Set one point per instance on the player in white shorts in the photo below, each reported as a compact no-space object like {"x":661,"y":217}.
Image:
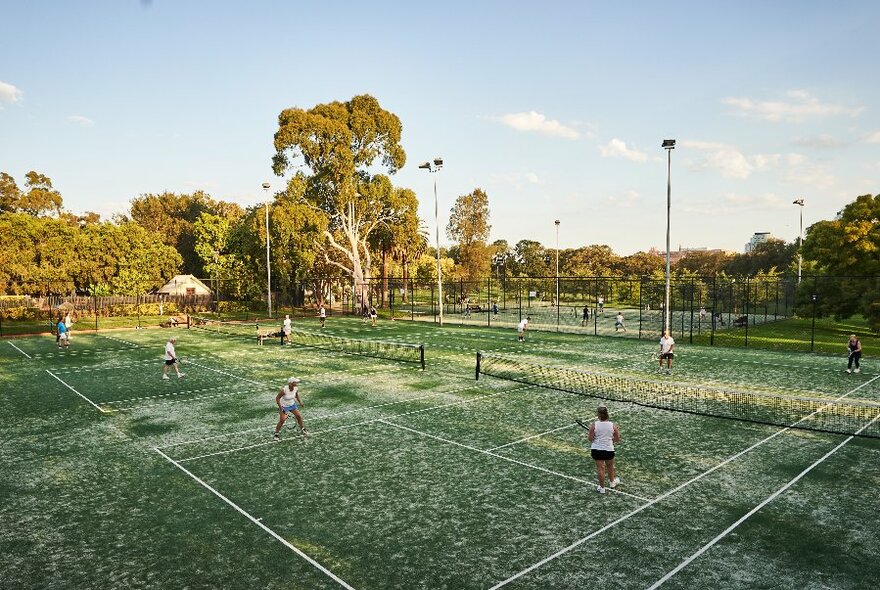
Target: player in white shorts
{"x":322,"y":313}
{"x":289,"y":402}
{"x":521,"y":328}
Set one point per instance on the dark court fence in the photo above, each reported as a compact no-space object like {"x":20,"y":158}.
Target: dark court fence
{"x":706,"y":310}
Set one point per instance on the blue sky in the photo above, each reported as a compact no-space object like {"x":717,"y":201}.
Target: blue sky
{"x":556,"y":109}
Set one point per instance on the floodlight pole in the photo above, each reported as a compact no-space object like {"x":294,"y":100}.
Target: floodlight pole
{"x":800,"y":202}
{"x":668,"y":145}
{"x":266,"y":187}
{"x":438,"y":163}
{"x":557,"y":273}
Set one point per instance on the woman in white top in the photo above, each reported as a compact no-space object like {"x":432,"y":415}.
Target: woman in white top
{"x":285,"y":330}
{"x":171,"y":359}
{"x":289,"y":403}
{"x":603,"y":435}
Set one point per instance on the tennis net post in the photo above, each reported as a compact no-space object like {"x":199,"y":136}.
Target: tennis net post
{"x":479,"y":357}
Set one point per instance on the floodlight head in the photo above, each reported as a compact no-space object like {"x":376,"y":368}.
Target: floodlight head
{"x":438,"y":162}
{"x":798,"y":202}
{"x":425,"y":165}
{"x":266,"y":186}
{"x":556,"y":222}
{"x":668,"y":144}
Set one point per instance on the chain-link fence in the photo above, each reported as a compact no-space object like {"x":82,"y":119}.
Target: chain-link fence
{"x":702,"y":309}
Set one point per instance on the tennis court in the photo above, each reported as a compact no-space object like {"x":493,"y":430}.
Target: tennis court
{"x":427,"y":478}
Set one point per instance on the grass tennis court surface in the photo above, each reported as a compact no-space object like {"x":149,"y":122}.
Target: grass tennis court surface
{"x":112,"y":478}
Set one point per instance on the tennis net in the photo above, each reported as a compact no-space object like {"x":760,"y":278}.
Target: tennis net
{"x":838,"y":416}
{"x":397,"y":351}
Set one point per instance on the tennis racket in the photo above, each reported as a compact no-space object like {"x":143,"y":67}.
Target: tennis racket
{"x":582,"y":424}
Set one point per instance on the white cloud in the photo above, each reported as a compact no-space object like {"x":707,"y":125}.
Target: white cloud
{"x":9,"y":94}
{"x":617,"y":148}
{"x":80,"y":120}
{"x":517,"y":180}
{"x":872,"y":137}
{"x":821,"y":141}
{"x":728,"y":160}
{"x":537,"y":123}
{"x":801,"y":107}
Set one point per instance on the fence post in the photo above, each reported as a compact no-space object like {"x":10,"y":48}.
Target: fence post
{"x":488,"y":301}
{"x":137,"y":301}
{"x":712,"y":307}
{"x":748,"y":297}
{"x":640,"y":308}
{"x":813,"y":329}
{"x":692,"y":312}
{"x":95,"y":305}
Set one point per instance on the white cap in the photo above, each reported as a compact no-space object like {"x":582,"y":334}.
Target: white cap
{"x":293,"y":380}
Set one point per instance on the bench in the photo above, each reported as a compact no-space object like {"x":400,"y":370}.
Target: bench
{"x":741,"y":322}
{"x":264,"y":333}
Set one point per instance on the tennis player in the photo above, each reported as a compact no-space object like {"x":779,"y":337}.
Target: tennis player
{"x":603,"y":434}
{"x":322,"y":313}
{"x":666,"y":346}
{"x":373,"y":314}
{"x":63,"y":336}
{"x":68,"y":323}
{"x":521,"y":328}
{"x":618,"y":322}
{"x":854,"y":346}
{"x":600,"y":303}
{"x":285,"y":330}
{"x":289,"y":402}
{"x":171,"y":359}
{"x":585,"y":316}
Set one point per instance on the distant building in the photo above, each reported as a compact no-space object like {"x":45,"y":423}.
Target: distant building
{"x":185,"y":285}
{"x":759,"y":238}
{"x":683,"y":251}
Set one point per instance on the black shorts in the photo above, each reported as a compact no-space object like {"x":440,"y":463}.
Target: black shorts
{"x":667,"y":355}
{"x":600,"y":455}
{"x":169,"y":363}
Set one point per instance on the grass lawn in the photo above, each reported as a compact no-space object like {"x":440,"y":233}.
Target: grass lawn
{"x":410,"y":478}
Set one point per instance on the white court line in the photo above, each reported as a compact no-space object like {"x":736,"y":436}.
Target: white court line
{"x":516,"y":442}
{"x":20,"y":350}
{"x":665,"y":495}
{"x":228,"y":374}
{"x":311,"y":418}
{"x":99,"y":408}
{"x":258,"y":522}
{"x":355,"y":425}
{"x":746,"y":516}
{"x":491,"y":454}
{"x":115,"y":339}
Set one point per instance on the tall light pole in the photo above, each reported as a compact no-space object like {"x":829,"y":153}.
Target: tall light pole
{"x":800,"y":235}
{"x":668,"y":145}
{"x":438,"y":164}
{"x":556,"y":223}
{"x":266,"y":187}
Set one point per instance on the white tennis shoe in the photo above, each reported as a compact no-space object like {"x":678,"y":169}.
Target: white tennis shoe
{"x":614,"y":483}
{"x":600,"y":489}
